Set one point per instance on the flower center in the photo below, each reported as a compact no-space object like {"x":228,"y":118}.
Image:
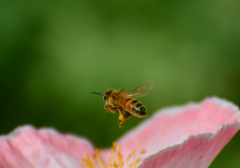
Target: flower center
{"x":115,"y":160}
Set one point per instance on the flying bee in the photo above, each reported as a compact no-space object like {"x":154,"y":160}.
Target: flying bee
{"x":124,"y":104}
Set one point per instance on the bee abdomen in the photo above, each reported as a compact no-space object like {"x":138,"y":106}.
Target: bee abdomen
{"x":140,"y":109}
{"x":134,"y":106}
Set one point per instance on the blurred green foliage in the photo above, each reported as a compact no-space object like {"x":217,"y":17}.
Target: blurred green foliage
{"x":54,"y":54}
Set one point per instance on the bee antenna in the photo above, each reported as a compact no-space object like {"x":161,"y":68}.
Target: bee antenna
{"x":97,"y":93}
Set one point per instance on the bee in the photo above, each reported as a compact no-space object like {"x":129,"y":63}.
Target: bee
{"x":124,"y":104}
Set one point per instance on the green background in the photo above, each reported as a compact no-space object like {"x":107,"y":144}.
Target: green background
{"x":53,"y":54}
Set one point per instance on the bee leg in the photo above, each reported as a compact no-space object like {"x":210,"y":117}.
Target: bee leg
{"x":115,"y":110}
{"x":126,"y":115}
{"x":107,"y":108}
{"x":111,"y":109}
{"x":121,"y":117}
{"x":120,"y":120}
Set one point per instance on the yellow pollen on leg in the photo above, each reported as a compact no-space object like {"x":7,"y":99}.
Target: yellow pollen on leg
{"x":121,"y":118}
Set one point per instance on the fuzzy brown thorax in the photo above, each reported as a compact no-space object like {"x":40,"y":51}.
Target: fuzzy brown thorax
{"x":113,"y":97}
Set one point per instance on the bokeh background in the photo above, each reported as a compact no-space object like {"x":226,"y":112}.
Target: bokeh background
{"x":54,"y":54}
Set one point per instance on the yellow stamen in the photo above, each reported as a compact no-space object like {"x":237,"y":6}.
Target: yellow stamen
{"x":95,"y":158}
{"x":120,"y":156}
{"x":99,"y":158}
{"x":115,"y":165}
{"x":110,"y":163}
{"x":113,"y":157}
{"x":87,"y":162}
{"x":115,"y":160}
{"x":134,"y":151}
{"x":143,"y":151}
{"x":120,"y":148}
{"x":137,"y":161}
{"x":129,"y":156}
{"x":114,"y":147}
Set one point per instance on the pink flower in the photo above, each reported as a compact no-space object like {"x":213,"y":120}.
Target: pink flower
{"x":189,"y":136}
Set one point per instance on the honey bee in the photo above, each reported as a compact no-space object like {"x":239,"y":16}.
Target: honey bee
{"x":124,"y":104}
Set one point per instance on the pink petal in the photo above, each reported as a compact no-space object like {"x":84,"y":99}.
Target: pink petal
{"x":174,"y":125}
{"x":198,"y":151}
{"x":27,"y":147}
{"x":197,"y":129}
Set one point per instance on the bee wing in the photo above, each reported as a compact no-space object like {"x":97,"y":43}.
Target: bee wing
{"x":141,"y":90}
{"x":124,"y":90}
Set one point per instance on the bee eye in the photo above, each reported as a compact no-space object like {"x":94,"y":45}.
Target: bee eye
{"x":107,"y":94}
{"x":106,"y":97}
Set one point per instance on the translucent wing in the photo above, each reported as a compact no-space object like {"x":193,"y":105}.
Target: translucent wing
{"x":141,"y":90}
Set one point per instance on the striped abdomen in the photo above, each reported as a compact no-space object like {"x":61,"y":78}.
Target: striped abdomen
{"x":133,"y":106}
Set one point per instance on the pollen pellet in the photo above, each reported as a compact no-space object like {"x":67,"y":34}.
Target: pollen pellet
{"x":121,"y":118}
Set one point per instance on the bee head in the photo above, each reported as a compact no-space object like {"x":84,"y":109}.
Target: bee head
{"x":106,"y":95}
